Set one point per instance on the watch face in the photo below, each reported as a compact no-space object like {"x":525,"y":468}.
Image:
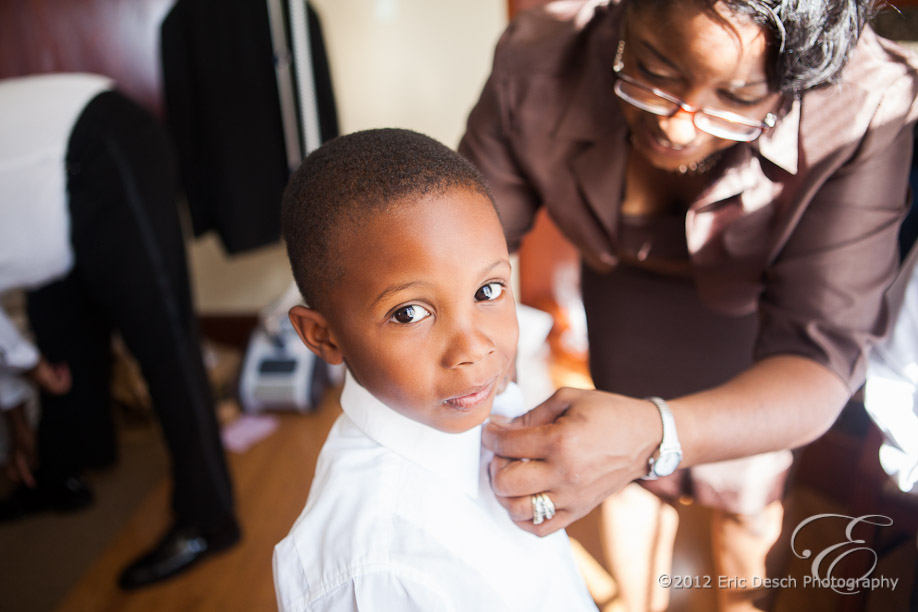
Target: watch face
{"x":667,"y":463}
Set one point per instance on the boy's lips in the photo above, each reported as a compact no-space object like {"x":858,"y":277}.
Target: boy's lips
{"x":471,"y":396}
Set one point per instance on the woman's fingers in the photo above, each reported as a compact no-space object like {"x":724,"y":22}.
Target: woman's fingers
{"x":521,"y":511}
{"x":516,"y":478}
{"x":526,"y":479}
{"x":560,"y":520}
{"x":528,"y":436}
{"x":579,"y":445}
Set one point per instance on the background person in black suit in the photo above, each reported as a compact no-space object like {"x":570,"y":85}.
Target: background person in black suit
{"x":89,"y":224}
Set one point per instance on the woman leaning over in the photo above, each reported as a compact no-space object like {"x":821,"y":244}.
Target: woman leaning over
{"x":733,"y":173}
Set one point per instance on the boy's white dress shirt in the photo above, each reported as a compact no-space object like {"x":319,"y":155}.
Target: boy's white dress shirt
{"x":401,"y":516}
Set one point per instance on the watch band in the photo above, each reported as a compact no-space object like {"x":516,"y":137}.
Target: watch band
{"x":670,"y":443}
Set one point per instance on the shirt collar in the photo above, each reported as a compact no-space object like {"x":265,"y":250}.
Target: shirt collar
{"x":453,"y":457}
{"x":745,"y":175}
{"x":779,"y":145}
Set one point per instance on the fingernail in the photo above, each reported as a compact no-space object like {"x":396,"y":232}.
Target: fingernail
{"x":499,"y":419}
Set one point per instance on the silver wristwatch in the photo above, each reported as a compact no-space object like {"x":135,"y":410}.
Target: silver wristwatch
{"x":665,"y":461}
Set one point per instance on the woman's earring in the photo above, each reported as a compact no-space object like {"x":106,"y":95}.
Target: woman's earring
{"x":618,"y":64}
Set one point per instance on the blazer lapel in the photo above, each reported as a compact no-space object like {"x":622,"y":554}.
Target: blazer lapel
{"x":599,"y":171}
{"x":597,"y":132}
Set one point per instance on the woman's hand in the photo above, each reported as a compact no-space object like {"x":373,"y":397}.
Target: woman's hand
{"x":581,"y":447}
{"x":54,"y":378}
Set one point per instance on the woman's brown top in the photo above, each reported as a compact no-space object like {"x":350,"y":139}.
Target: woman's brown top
{"x":799,"y":226}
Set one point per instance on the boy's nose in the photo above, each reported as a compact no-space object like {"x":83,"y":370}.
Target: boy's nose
{"x":467,"y":346}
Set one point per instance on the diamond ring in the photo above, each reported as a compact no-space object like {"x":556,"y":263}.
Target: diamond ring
{"x":543,"y":509}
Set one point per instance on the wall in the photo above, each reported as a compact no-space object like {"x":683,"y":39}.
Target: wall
{"x":417,"y":64}
{"x":117,"y":38}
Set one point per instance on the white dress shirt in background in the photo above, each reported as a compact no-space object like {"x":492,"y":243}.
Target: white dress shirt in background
{"x":891,"y":392}
{"x":401,"y":516}
{"x":37,"y":115}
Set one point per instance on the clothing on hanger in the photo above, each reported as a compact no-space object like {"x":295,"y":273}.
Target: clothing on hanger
{"x":227,"y":93}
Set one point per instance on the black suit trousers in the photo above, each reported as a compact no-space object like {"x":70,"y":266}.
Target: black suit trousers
{"x":130,"y":276}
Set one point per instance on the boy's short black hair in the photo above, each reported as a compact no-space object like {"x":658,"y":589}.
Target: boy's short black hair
{"x":348,"y":181}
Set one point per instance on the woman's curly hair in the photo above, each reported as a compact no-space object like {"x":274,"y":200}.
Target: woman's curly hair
{"x":811,"y":39}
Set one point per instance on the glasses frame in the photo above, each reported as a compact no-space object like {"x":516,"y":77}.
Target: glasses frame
{"x":758,"y":126}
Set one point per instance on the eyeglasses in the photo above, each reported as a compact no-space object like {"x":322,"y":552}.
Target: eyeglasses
{"x":722,"y":124}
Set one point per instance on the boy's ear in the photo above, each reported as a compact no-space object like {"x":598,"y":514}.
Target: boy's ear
{"x":316,"y":334}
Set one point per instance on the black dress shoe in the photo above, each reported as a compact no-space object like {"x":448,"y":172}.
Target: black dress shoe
{"x":65,"y":495}
{"x":180,"y":548}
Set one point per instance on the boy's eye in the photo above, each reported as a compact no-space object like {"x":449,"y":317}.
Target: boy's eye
{"x":410,"y":314}
{"x":488,"y":292}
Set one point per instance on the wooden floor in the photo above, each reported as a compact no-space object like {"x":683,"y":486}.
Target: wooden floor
{"x":270,"y":495}
{"x":271,"y":481}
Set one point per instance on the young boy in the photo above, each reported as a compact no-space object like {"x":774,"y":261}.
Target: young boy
{"x":396,"y":246}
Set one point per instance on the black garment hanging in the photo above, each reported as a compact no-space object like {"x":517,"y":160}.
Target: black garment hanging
{"x":224,"y":111}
